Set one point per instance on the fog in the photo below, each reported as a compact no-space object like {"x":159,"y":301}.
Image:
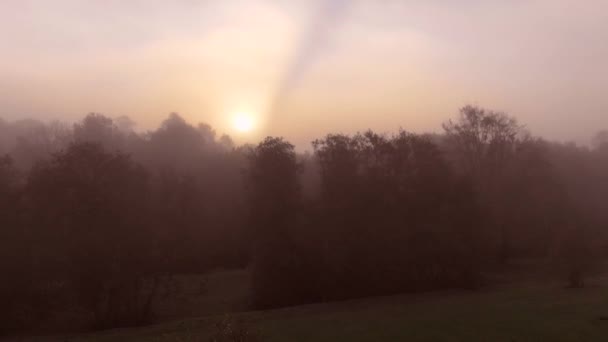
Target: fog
{"x":331,"y":65}
{"x":207,"y":161}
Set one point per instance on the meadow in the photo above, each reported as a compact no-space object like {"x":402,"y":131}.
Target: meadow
{"x":525,"y":309}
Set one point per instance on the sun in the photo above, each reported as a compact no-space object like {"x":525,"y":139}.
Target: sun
{"x":243,"y":122}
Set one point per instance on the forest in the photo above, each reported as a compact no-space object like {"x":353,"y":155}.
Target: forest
{"x":98,"y":218}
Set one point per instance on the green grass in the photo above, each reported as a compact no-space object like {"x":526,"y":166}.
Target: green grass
{"x":518,"y":312}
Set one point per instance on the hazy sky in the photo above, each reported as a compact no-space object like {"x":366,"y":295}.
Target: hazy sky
{"x":305,"y":68}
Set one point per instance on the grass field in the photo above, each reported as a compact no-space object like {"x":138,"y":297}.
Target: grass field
{"x":529,"y":311}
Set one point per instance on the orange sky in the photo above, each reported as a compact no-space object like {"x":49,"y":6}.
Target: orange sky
{"x":360,"y":64}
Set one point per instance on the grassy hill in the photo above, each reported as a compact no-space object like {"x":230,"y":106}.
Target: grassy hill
{"x":529,"y":311}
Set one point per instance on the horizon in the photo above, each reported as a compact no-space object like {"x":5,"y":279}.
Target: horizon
{"x":375,"y":170}
{"x":301,"y":69}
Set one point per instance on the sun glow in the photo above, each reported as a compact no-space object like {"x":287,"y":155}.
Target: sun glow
{"x":243,"y":122}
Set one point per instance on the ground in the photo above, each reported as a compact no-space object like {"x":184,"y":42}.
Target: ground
{"x":519,"y":311}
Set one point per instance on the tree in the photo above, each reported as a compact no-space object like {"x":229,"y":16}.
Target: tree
{"x":36,"y":141}
{"x":600,"y":140}
{"x":485,"y":147}
{"x":18,"y":304}
{"x":390,"y":209}
{"x":483,"y":140}
{"x":90,"y":222}
{"x":274,"y":198}
{"x":198,"y":190}
{"x":125,"y":124}
{"x":97,"y":128}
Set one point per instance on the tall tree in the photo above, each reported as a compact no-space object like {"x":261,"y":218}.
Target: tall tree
{"x":274,"y":198}
{"x":514,"y":178}
{"x":91,"y":225}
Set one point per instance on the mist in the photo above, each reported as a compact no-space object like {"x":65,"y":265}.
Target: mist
{"x":273,"y":170}
{"x":332,"y":65}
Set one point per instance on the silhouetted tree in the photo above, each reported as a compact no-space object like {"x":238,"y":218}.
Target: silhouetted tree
{"x":385,"y":203}
{"x":484,"y":140}
{"x":91,"y":223}
{"x":18,"y":304}
{"x":34,"y":141}
{"x":600,"y":140}
{"x":511,"y":176}
{"x":100,"y":129}
{"x":198,"y":190}
{"x":98,"y":216}
{"x":274,"y":197}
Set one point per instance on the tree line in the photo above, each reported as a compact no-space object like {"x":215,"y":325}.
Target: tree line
{"x":97,"y":218}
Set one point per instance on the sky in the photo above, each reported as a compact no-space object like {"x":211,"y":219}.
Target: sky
{"x":305,"y":68}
